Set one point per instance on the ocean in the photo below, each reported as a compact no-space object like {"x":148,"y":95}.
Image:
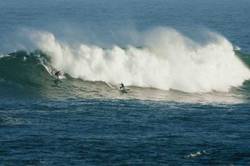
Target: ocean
{"x":184,"y":64}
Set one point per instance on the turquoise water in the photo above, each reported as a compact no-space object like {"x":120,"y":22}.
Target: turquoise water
{"x":185,"y":65}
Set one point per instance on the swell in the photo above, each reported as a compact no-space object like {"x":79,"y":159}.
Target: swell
{"x":24,"y":68}
{"x":33,"y":69}
{"x":167,"y":60}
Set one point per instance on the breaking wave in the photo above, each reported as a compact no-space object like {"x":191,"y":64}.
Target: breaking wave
{"x":166,"y":60}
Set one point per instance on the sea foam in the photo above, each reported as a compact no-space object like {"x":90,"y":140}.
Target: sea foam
{"x":167,"y":60}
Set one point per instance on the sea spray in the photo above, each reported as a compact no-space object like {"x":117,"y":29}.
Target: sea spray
{"x":167,"y":60}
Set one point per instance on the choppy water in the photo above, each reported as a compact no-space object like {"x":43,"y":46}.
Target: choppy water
{"x":186,"y":65}
{"x":123,"y":132}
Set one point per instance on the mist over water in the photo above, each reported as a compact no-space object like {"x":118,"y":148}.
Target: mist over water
{"x":157,"y":64}
{"x":166,"y":60}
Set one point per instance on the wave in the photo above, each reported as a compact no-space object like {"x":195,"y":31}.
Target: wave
{"x":22,"y":67}
{"x":167,"y":60}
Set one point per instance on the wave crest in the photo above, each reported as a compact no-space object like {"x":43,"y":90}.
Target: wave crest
{"x":167,"y":60}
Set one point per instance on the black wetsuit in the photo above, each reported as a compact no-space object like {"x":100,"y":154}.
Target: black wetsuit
{"x":58,"y":73}
{"x":122,"y":87}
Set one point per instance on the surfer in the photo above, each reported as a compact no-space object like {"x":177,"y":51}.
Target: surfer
{"x":122,"y":88}
{"x":58,"y":74}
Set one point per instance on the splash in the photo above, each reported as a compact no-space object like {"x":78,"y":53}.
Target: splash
{"x":167,"y":60}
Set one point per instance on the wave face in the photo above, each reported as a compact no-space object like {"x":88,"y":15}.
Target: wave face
{"x":167,"y":60}
{"x":24,"y":68}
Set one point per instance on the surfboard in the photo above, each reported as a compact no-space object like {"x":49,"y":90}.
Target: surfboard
{"x":123,"y":91}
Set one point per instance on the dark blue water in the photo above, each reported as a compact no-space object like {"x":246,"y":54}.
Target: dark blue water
{"x":75,"y":123}
{"x":117,"y":132}
{"x":100,"y":19}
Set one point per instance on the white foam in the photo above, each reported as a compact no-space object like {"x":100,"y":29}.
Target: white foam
{"x":169,"y":60}
{"x":237,"y":48}
{"x":196,"y":154}
{"x":4,"y":55}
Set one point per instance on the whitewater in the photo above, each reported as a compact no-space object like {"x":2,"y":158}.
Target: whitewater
{"x":166,"y":59}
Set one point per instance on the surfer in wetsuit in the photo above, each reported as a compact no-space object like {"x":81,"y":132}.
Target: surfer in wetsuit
{"x":122,"y":87}
{"x":58,"y":74}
